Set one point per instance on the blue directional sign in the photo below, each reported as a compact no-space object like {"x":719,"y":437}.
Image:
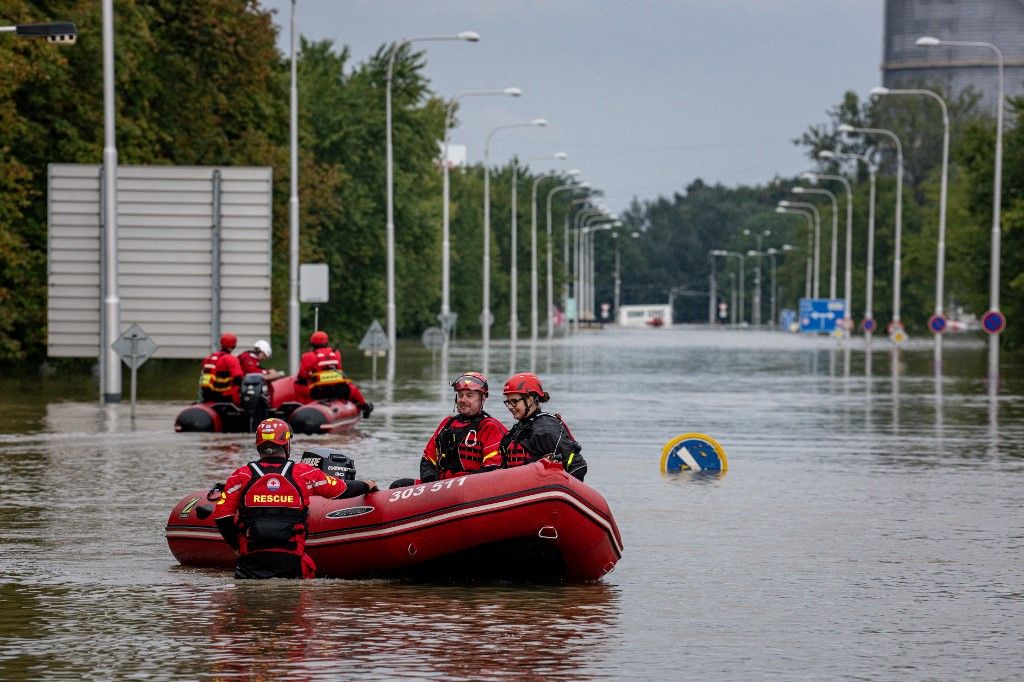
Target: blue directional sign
{"x":821,"y":315}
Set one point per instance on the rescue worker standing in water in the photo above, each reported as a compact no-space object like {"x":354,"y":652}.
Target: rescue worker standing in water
{"x":220,"y":380}
{"x":320,"y":376}
{"x":262,"y":510}
{"x":537,"y":434}
{"x":466,"y":442}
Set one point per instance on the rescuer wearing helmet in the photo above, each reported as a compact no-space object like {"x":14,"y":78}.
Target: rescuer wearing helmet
{"x":320,"y":376}
{"x":467,"y":442}
{"x":262,"y":509}
{"x":537,"y":434}
{"x":251,"y":360}
{"x":220,"y":379}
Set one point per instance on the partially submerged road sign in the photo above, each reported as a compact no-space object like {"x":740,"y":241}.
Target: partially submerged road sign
{"x":433,"y":338}
{"x":134,"y":346}
{"x":375,"y":341}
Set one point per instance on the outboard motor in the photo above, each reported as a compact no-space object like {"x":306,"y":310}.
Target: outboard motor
{"x":332,"y":462}
{"x":255,"y":398}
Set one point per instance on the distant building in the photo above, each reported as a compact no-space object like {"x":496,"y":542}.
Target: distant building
{"x":640,"y":315}
{"x":1000,"y":22}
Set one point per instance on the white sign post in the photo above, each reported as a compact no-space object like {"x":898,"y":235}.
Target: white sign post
{"x":313,"y":281}
{"x":135,"y":347}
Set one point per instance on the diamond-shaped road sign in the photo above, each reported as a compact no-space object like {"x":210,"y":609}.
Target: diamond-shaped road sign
{"x":375,"y":340}
{"x":134,"y":346}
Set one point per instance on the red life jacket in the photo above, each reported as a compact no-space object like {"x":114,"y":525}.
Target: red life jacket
{"x":273,"y":509}
{"x":458,"y":448}
{"x":209,"y":368}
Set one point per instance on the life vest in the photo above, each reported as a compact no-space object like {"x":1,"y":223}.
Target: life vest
{"x":272,"y":507}
{"x":209,"y":368}
{"x":513,"y":444}
{"x":327,"y":371}
{"x":458,"y":448}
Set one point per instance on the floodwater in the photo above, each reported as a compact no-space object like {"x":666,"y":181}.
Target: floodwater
{"x":870,"y":525}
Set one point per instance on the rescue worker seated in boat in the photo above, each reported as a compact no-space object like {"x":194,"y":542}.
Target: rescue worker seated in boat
{"x":262,"y":510}
{"x":537,"y":434}
{"x":220,"y":380}
{"x":467,"y":442}
{"x":320,"y":376}
{"x":251,"y":360}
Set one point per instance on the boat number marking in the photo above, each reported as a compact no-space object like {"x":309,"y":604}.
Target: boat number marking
{"x":417,"y":490}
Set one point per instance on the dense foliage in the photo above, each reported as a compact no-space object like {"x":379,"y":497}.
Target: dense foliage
{"x":204,"y":83}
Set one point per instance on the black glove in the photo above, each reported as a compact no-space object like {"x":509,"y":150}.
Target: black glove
{"x":402,"y":483}
{"x":367,"y":409}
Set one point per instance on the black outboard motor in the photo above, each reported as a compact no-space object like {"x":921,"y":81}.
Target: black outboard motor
{"x":255,"y":398}
{"x":332,"y":462}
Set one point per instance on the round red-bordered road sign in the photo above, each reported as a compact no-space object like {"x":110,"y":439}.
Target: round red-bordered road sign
{"x":869,"y":325}
{"x":937,"y":323}
{"x":993,"y":322}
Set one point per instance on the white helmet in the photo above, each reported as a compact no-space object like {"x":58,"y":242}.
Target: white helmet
{"x":263,"y":347}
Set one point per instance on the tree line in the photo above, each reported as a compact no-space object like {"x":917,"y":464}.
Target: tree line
{"x":203,"y":83}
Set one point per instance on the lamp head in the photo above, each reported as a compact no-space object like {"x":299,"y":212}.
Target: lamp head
{"x":787,"y":247}
{"x":784,"y":204}
{"x":798,"y":190}
{"x":513,"y":92}
{"x":826,"y":154}
{"x":469,"y":36}
{"x":927,"y":41}
{"x":541,"y":122}
{"x":809,"y":177}
{"x":845,"y":128}
{"x":634,"y":235}
{"x":584,"y":185}
{"x":573,"y":172}
{"x":780,"y":209}
{"x":561,"y":156}
{"x":718,"y":252}
{"x":753,"y":253}
{"x":877,"y":92}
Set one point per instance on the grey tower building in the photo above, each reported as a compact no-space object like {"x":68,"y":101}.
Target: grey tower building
{"x":1000,"y":22}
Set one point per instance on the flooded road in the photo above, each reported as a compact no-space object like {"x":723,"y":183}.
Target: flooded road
{"x":871,"y":525}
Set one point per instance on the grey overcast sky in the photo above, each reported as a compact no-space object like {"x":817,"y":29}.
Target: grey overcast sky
{"x":644,"y":95}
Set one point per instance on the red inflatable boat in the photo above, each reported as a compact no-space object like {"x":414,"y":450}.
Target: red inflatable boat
{"x":532,"y":523}
{"x":262,"y":399}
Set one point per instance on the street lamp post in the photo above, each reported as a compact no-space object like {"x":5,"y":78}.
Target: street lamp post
{"x":897,"y":265}
{"x":735,"y":254}
{"x":869,"y":285}
{"x":486,"y":318}
{"x":577,"y":249}
{"x":997,"y":188}
{"x":550,"y":273}
{"x":560,"y":156}
{"x":817,"y":237}
{"x":756,"y":305}
{"x":848,"y":263}
{"x":445,"y":318}
{"x":940,"y":259}
{"x":468,"y":36}
{"x":293,"y":211}
{"x":774,"y":292}
{"x":810,"y":230}
{"x":835,"y":231}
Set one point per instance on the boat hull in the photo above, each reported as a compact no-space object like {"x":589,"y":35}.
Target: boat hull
{"x":533,"y":523}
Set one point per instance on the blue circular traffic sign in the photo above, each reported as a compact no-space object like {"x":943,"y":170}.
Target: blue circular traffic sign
{"x":993,"y":322}
{"x":868,"y":324}
{"x":937,"y":323}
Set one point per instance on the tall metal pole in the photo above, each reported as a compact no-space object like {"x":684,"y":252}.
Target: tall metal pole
{"x":870,"y":277}
{"x":513,"y":307}
{"x":848,"y":263}
{"x":565,"y":254}
{"x":618,"y":278}
{"x":293,"y":210}
{"x":110,"y":363}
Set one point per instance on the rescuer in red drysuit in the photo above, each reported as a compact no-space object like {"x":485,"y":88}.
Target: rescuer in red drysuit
{"x":210,"y":389}
{"x":320,"y":376}
{"x":537,"y":434}
{"x":262,"y":510}
{"x":467,"y":442}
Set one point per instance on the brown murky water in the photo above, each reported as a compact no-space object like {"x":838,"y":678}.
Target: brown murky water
{"x":871,"y":525}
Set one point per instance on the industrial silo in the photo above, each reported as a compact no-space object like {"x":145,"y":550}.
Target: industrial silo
{"x":1000,"y":22}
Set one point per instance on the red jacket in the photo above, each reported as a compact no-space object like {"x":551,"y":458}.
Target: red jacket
{"x":233,"y":503}
{"x":462,"y":446}
{"x":227,"y":378}
{"x":250,"y":363}
{"x":322,"y":367}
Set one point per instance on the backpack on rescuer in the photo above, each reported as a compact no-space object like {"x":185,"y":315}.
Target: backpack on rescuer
{"x":272,"y":507}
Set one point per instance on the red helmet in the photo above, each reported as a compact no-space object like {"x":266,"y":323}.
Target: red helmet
{"x":471,"y":381}
{"x":318,"y":339}
{"x":526,"y":383}
{"x":228,"y":341}
{"x":273,"y":437}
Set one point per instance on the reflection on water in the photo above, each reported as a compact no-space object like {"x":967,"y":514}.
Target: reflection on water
{"x":870,"y":511}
